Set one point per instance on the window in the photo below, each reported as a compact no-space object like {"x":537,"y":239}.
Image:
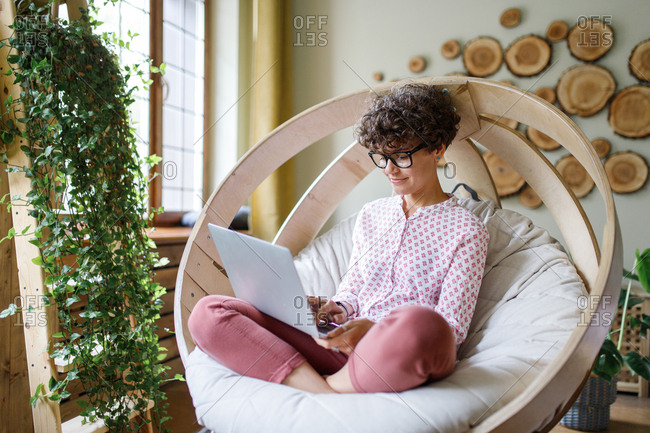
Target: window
{"x":168,"y":118}
{"x":182,"y":104}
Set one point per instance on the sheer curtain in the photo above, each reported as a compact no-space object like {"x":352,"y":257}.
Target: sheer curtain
{"x":272,"y":105}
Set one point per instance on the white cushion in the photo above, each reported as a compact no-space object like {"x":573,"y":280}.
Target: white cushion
{"x":526,"y":310}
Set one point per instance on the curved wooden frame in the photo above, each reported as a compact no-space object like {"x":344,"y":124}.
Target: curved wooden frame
{"x":548,"y":397}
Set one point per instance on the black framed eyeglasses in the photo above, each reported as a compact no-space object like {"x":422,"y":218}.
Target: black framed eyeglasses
{"x":399,"y":159}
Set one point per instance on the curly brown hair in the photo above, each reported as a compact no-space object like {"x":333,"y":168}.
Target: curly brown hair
{"x":407,"y":113}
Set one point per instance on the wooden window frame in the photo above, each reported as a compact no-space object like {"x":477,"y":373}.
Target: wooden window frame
{"x":166,"y":218}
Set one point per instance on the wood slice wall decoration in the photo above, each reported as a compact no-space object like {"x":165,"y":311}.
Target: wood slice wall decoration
{"x":482,"y":56}
{"x":528,"y":56}
{"x":417,"y":64}
{"x":506,"y":180}
{"x":547,"y":93}
{"x":590,"y":39}
{"x":529,"y":198}
{"x":557,"y":31}
{"x":602,"y":146}
{"x":585,"y":89}
{"x":450,"y":49}
{"x":627,"y":172}
{"x":629,"y":112}
{"x":639,"y":62}
{"x":541,"y":140}
{"x":510,"y":17}
{"x":575,"y":175}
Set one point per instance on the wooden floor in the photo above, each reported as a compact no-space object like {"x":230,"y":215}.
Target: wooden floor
{"x":629,"y":414}
{"x":180,"y":409}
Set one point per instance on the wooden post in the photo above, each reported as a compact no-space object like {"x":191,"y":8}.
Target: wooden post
{"x":14,"y":385}
{"x":40,"y":367}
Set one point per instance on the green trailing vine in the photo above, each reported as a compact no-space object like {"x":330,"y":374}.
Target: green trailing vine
{"x":88,"y":196}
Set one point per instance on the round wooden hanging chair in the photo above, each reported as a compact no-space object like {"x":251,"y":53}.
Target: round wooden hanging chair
{"x":550,"y":394}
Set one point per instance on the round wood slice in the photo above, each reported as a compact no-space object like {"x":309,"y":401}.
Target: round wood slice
{"x":378,"y":76}
{"x":450,"y":49}
{"x":547,"y":93}
{"x":510,"y":17}
{"x":590,"y":39}
{"x":575,"y":175}
{"x":528,"y":56}
{"x":627,"y":172}
{"x":585,"y":89}
{"x":482,"y":56}
{"x":639,"y":62}
{"x":629,"y":112}
{"x":602,"y":146}
{"x":557,"y":31}
{"x":417,"y":64}
{"x":529,"y":198}
{"x":541,"y":140}
{"x":506,"y":180}
{"x":510,"y":123}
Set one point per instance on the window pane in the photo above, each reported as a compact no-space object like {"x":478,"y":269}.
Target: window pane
{"x":183,"y":41}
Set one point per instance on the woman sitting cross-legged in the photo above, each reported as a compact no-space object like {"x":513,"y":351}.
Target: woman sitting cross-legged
{"x":407,"y":299}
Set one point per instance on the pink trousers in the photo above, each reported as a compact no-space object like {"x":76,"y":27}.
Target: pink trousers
{"x":409,"y":347}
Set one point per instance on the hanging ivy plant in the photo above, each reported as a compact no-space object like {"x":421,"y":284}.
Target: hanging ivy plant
{"x":88,"y":196}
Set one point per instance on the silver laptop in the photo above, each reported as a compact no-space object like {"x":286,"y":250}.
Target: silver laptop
{"x":263,"y":274}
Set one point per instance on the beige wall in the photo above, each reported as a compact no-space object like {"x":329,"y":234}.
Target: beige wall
{"x":360,"y":37}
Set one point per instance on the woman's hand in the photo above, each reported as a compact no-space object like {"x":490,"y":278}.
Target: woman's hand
{"x":329,"y":311}
{"x":346,"y":337}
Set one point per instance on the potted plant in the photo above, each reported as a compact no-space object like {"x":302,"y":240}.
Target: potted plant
{"x":591,"y":410}
{"x":87,"y":199}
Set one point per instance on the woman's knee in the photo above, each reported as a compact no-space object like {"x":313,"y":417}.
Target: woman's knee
{"x":424,"y":326}
{"x":206,"y":316}
{"x":427,"y":338}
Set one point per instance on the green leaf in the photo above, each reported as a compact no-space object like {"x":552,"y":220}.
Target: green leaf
{"x":37,"y":394}
{"x":609,"y":362}
{"x":643,"y":268}
{"x":638,"y":364}
{"x":9,"y":311}
{"x":38,"y":260}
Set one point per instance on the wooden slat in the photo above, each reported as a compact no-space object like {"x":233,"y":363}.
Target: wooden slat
{"x":169,"y":343}
{"x":172,"y":252}
{"x":166,"y":321}
{"x":166,"y":277}
{"x":204,"y":271}
{"x":192,"y":293}
{"x":168,"y":302}
{"x":14,"y":391}
{"x":185,"y":301}
{"x":46,"y":416}
{"x":169,"y":235}
{"x":470,"y":169}
{"x":323,"y":196}
{"x":75,"y":425}
{"x":524,"y":157}
{"x":176,"y":367}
